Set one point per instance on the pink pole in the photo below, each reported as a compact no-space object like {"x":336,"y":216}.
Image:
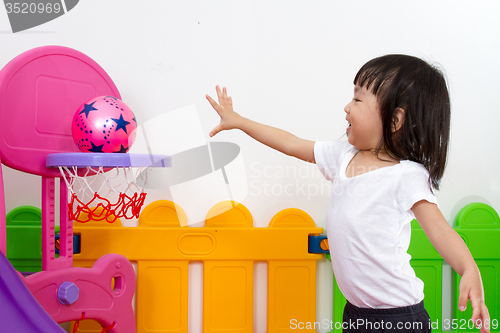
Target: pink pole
{"x":3,"y":228}
{"x":65,"y":260}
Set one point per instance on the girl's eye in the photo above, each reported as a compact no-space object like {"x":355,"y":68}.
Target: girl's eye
{"x":356,"y":100}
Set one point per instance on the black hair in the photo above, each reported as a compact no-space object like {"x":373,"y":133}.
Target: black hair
{"x":411,"y":84}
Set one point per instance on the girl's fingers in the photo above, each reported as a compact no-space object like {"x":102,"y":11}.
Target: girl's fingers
{"x":484,"y":318}
{"x":463,"y":298}
{"x":223,"y":98}
{"x":480,"y":315}
{"x":213,"y":103}
{"x":476,"y":314}
{"x":216,"y":130}
{"x":219,"y":93}
{"x":464,"y":292}
{"x":221,"y":107}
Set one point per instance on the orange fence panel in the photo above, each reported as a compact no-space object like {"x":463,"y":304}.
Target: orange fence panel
{"x":228,"y":245}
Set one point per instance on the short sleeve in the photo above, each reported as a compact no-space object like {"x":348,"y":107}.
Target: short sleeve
{"x":413,"y":186}
{"x":328,"y":156}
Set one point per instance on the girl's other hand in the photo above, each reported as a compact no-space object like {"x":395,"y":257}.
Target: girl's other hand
{"x":228,"y":118}
{"x":471,"y":288}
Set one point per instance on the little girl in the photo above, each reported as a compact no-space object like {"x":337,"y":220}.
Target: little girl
{"x":383,"y":177}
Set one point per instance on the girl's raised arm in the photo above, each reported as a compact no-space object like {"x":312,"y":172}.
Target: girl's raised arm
{"x":273,"y":137}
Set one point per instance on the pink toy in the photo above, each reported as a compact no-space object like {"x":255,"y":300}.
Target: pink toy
{"x":104,"y":124}
{"x":37,"y":89}
{"x":96,"y":294}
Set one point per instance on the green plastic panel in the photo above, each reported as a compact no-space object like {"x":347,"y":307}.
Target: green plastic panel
{"x":479,"y":226}
{"x":428,"y":266}
{"x":24,"y":238}
{"x":339,"y":302}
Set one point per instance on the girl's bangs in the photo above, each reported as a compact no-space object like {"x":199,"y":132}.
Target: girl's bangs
{"x":369,"y":78}
{"x":376,"y":73}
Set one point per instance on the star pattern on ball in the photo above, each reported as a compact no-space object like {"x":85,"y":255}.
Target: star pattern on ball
{"x":96,"y":149}
{"x":122,"y":149}
{"x":111,"y":129}
{"x":87,"y":108}
{"x":121,"y":123}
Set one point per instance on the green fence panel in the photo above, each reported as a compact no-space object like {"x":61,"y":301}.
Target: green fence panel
{"x":479,"y":226}
{"x":428,"y":266}
{"x":24,"y":238}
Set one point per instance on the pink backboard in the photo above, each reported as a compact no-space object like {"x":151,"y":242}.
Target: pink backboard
{"x":40,"y":90}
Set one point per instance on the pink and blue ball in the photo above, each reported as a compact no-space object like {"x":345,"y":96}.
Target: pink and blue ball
{"x":104,"y":124}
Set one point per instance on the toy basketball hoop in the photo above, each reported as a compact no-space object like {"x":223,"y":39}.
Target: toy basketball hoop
{"x":105,"y":186}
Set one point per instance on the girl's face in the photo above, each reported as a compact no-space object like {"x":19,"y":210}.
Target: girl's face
{"x":365,"y":124}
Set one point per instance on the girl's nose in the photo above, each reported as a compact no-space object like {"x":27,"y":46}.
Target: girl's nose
{"x":347,"y":108}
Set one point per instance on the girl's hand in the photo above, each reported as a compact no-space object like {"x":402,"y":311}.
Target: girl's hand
{"x":471,"y":288}
{"x":228,"y":118}
{"x":273,"y":137}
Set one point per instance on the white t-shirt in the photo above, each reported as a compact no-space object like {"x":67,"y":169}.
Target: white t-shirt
{"x":369,"y":230}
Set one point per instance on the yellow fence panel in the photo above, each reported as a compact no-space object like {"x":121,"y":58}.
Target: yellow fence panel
{"x":228,"y":245}
{"x":162,"y":291}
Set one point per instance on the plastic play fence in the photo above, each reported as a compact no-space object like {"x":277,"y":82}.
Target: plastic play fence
{"x":229,"y":246}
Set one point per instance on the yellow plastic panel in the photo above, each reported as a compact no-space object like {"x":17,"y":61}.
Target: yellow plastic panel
{"x":229,"y":214}
{"x":163,"y":293}
{"x":291,"y":294}
{"x":228,"y":285}
{"x":228,"y":246}
{"x":163,"y":213}
{"x":228,"y":296}
{"x":292,"y":218}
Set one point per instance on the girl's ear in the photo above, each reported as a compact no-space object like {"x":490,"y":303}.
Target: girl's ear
{"x":398,"y":119}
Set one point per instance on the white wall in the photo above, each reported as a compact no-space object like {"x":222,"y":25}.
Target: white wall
{"x":289,"y":64}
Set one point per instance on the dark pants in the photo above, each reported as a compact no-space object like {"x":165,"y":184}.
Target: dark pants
{"x":406,"y":319}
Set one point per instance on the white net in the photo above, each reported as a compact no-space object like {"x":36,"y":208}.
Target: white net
{"x":97,"y":194}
